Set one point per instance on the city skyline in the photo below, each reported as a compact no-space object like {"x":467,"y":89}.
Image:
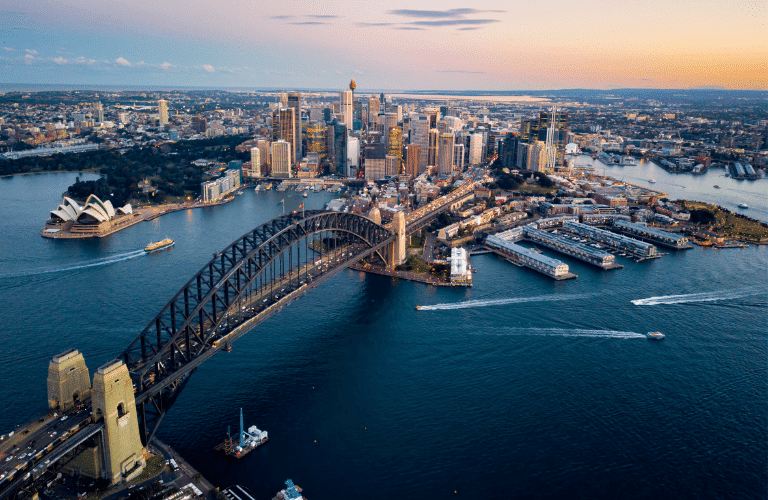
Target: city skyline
{"x":447,"y":45}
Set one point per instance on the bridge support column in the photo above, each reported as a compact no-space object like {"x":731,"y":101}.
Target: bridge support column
{"x":397,"y":248}
{"x":68,"y":380}
{"x":114,"y":403}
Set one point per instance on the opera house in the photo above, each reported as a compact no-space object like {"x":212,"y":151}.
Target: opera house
{"x":94,"y":217}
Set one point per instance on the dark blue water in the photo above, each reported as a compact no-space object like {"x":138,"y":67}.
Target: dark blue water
{"x":559,"y":396}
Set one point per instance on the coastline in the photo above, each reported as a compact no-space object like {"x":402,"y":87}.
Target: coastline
{"x":52,"y":172}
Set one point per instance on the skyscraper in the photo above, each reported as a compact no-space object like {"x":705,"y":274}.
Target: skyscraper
{"x":338,"y":131}
{"x":294,"y":102}
{"x":255,"y":162}
{"x":316,"y":140}
{"x":508,"y":151}
{"x":458,"y":157}
{"x":432,"y":146}
{"x":537,"y":156}
{"x":475,"y":149}
{"x":162,"y":110}
{"x":281,"y":159}
{"x":345,"y":107}
{"x":99,"y":110}
{"x":445,"y":154}
{"x":420,"y":136}
{"x":412,"y":155}
{"x":374,"y":108}
{"x":395,"y":145}
{"x":287,"y":130}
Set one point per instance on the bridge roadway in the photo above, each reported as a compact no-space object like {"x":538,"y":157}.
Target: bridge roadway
{"x":44,"y":445}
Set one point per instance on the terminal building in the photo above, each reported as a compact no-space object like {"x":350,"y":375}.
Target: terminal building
{"x":658,"y":236}
{"x":636,"y":248}
{"x":571,"y":248}
{"x":529,"y":258}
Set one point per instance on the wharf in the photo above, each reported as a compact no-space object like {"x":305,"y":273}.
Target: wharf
{"x":512,"y":260}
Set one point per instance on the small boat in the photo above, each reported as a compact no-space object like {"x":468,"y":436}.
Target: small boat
{"x":304,"y":194}
{"x":418,"y":307}
{"x":743,"y":205}
{"x":655,"y":335}
{"x":716,"y":186}
{"x":652,"y":180}
{"x":160,"y":245}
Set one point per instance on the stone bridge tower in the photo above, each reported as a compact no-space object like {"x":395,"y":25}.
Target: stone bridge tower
{"x":397,"y":247}
{"x":115,"y":404}
{"x":68,"y":380}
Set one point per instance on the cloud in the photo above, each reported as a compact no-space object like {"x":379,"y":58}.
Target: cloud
{"x":208,"y":68}
{"x":321,"y":16}
{"x":373,"y":25}
{"x":83,"y":60}
{"x":28,"y":58}
{"x":31,"y":51}
{"x":409,"y":28}
{"x":467,"y":29}
{"x":460,"y":71}
{"x":9,"y":49}
{"x":122,"y":61}
{"x":166,"y":65}
{"x":308,"y":23}
{"x":439,"y":14}
{"x":357,"y":72}
{"x":59,"y":60}
{"x":455,"y":22}
{"x":282,"y":17}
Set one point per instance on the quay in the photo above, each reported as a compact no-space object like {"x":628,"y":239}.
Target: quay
{"x":653,"y":235}
{"x":526,"y":257}
{"x":565,"y":246}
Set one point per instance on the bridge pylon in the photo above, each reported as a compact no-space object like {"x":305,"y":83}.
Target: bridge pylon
{"x":114,"y":403}
{"x":396,"y":253}
{"x":68,"y":380}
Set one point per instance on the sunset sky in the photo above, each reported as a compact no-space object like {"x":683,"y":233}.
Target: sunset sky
{"x":387,"y":45}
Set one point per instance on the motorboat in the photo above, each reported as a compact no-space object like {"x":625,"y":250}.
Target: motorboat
{"x":655,"y":335}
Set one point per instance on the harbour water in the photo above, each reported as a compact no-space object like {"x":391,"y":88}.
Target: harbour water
{"x":534,"y":389}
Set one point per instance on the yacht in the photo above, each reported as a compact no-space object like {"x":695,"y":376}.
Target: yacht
{"x":652,"y":180}
{"x":716,"y":186}
{"x":655,"y":335}
{"x":743,"y":205}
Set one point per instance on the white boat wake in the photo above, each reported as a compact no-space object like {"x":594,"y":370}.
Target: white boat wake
{"x":103,"y":261}
{"x":700,"y":297}
{"x":500,"y":302}
{"x":570,"y":332}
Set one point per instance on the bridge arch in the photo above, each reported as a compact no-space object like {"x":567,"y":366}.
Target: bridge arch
{"x":235,"y":291}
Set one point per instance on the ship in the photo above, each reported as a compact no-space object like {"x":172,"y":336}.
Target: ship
{"x":249,"y":440}
{"x":304,"y":194}
{"x":655,"y":335}
{"x":160,"y":245}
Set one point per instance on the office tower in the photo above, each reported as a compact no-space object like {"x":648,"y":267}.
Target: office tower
{"x":556,"y":135}
{"x":345,"y":107}
{"x":522,"y":155}
{"x":432,"y":146}
{"x":287,"y":130}
{"x":412,"y":154}
{"x":283,"y":100}
{"x":255,"y":162}
{"x":383,"y":102}
{"x":353,"y":156}
{"x":264,"y":146}
{"x":399,"y":113}
{"x":374,"y":108}
{"x":316,"y":114}
{"x":493,"y":138}
{"x":395,"y":145}
{"x":390,"y":120}
{"x":162,"y":110}
{"x":420,"y":136}
{"x":375,"y":161}
{"x":294,"y":102}
{"x":406,"y":128}
{"x":338,"y":161}
{"x":508,"y":151}
{"x":316,"y":139}
{"x":443,"y":126}
{"x":445,"y":154}
{"x":281,"y":158}
{"x":475,"y":149}
{"x":327,"y":115}
{"x":276,"y":124}
{"x":391,"y":165}
{"x":434,"y":116}
{"x":199,"y":124}
{"x":458,"y":157}
{"x":98,"y":108}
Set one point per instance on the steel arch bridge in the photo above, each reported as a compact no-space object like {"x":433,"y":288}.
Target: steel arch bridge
{"x":241,"y":286}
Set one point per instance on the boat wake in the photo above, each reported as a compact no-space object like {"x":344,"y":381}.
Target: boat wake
{"x":500,"y":302}
{"x":94,"y":263}
{"x":700,"y":297}
{"x":572,"y":332}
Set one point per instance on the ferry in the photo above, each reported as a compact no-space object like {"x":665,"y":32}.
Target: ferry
{"x":743,"y":205}
{"x":655,"y":335}
{"x":160,"y":245}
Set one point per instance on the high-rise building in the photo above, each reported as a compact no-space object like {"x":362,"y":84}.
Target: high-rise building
{"x":98,"y":108}
{"x":374,"y":108}
{"x":475,"y":149}
{"x":316,"y":139}
{"x":287,"y":130}
{"x":383,"y":101}
{"x":395,"y":145}
{"x":162,"y":110}
{"x":199,"y":124}
{"x":390,"y":120}
{"x":508,"y":151}
{"x":391,"y":165}
{"x":445,"y":154}
{"x":353,"y":156}
{"x":458,"y":157}
{"x":338,"y":133}
{"x":345,"y":107}
{"x":432,"y":146}
{"x":412,"y":156}
{"x":375,"y":161}
{"x":522,"y":155}
{"x":281,"y":158}
{"x":537,"y":156}
{"x":294,"y":102}
{"x":255,"y":162}
{"x":420,"y":136}
{"x":264,"y":152}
